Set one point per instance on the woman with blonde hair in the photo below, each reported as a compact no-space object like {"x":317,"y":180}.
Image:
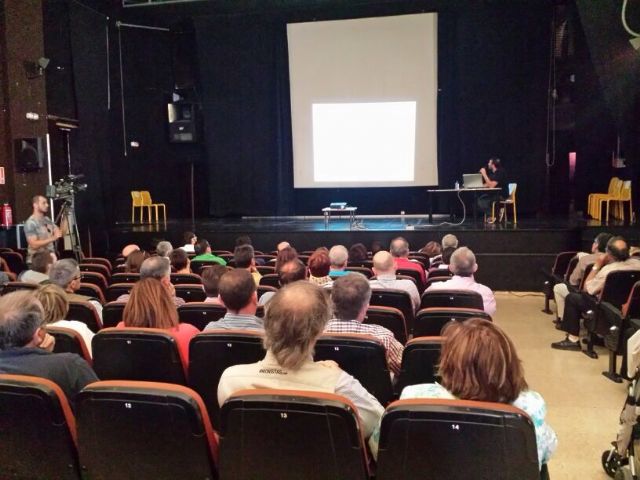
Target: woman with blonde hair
{"x":151,"y":306}
{"x":479,"y":362}
{"x":56,"y":308}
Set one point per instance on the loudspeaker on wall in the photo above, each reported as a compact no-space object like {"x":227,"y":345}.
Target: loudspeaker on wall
{"x":29,"y":154}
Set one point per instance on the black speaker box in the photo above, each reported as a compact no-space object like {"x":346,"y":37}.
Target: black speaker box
{"x":183,"y":122}
{"x":29,"y":154}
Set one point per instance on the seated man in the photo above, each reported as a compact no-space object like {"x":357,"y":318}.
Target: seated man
{"x":495,"y":177}
{"x":203,"y":253}
{"x":41,"y":263}
{"x":290,"y":272}
{"x":211,"y":280}
{"x":129,"y":249}
{"x":463,"y":265}
{"x":338,"y":258}
{"x":616,"y":258}
{"x":350,"y":296}
{"x":293,"y":322}
{"x":385,"y":269}
{"x":180,"y":261}
{"x":399,"y":249}
{"x":160,"y":269}
{"x":164,"y":248}
{"x":238,"y":293}
{"x":245,"y":258}
{"x":561,"y":290}
{"x":66,"y":274}
{"x":25,"y":347}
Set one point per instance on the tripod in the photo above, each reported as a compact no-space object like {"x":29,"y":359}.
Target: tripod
{"x":67,"y":218}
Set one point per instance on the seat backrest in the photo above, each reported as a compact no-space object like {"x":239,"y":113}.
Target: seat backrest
{"x":91,"y":290}
{"x":136,"y":199}
{"x":125,"y":277}
{"x":270,"y":280}
{"x":561,"y":263}
{"x":440,"y":273}
{"x":265,"y":269}
{"x":431,"y":321}
{"x":86,"y":313}
{"x":186,"y":279}
{"x":69,"y":341}
{"x":573,"y":263}
{"x":16,"y":286}
{"x":367,"y":272}
{"x":631,"y":308}
{"x":115,"y":290}
{"x":278,"y":434}
{"x":397,"y":299}
{"x":144,"y":430}
{"x":191,"y":293}
{"x":390,"y":318}
{"x":431,"y":281}
{"x":361,"y":356}
{"x":35,"y":418}
{"x":211,"y":353}
{"x":14,"y":260}
{"x":98,"y":260}
{"x":199,"y":314}
{"x":618,"y":285}
{"x":96,"y":279}
{"x":419,"y":361}
{"x":145,"y":354}
{"x":512,"y":191}
{"x":145,"y":197}
{"x":413,"y":274}
{"x":198,"y":265}
{"x":585,"y":275}
{"x":431,"y":439}
{"x":360,"y":263}
{"x":262,"y":289}
{"x":97,"y":268}
{"x":112,"y":314}
{"x":452,"y":299}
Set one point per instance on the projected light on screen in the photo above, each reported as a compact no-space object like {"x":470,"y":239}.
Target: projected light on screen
{"x":364,"y":142}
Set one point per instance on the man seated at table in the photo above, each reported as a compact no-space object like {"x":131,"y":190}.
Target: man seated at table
{"x":494,"y":176}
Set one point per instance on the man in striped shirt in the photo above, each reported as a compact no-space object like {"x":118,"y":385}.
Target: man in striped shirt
{"x":237,"y":291}
{"x":350,"y":296}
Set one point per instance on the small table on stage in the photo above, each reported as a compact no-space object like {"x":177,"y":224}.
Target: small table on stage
{"x":475,"y":191}
{"x":327,"y":211}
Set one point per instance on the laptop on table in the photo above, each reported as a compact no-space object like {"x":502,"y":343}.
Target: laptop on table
{"x":472,"y":180}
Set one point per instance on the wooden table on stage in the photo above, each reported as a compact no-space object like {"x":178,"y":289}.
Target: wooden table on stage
{"x":475,"y":192}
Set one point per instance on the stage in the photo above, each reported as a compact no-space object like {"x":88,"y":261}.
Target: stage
{"x":510,"y":257}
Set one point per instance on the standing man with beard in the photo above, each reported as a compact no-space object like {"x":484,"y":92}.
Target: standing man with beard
{"x":40,"y":231}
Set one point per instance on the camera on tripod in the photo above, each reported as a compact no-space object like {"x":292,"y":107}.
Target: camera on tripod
{"x":66,"y":187}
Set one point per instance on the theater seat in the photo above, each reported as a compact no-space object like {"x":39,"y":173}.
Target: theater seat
{"x":186,"y":279}
{"x":199,"y":314}
{"x":452,"y":299}
{"x":144,"y":430}
{"x":390,"y":318}
{"x":69,"y":341}
{"x":211,"y":353}
{"x":37,"y":430}
{"x":291,"y":434}
{"x":112,"y":313}
{"x":125,"y":277}
{"x":191,"y":293}
{"x":17,"y":286}
{"x":144,"y":354}
{"x":431,"y":321}
{"x":270,"y":280}
{"x":362,"y":356}
{"x":114,"y":291}
{"x":419,"y":361}
{"x":397,"y":299}
{"x":86,"y":313}
{"x":439,"y":439}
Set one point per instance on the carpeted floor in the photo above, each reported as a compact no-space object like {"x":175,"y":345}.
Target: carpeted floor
{"x":583,"y":406}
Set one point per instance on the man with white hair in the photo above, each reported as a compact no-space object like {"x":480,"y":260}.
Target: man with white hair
{"x":66,"y":274}
{"x":399,"y":249}
{"x":463,"y":265}
{"x":164,"y":248}
{"x":160,"y":269}
{"x":449,"y":240}
{"x":385,"y":269}
{"x":338,"y":256}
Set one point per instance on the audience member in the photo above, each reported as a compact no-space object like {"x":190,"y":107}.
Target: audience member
{"x":246,"y":240}
{"x":285,"y":255}
{"x":358,"y":253}
{"x":150,"y":306}
{"x":41,"y":263}
{"x":282,"y":245}
{"x":237,"y":292}
{"x":65,"y":273}
{"x":350,"y":296}
{"x":376,"y":247}
{"x":210,"y":281}
{"x":291,"y":271}
{"x":160,"y":269}
{"x":399,"y":248}
{"x":134,"y":261}
{"x":203,"y":253}
{"x":244,"y":257}
{"x":319,"y":266}
{"x":190,"y":240}
{"x":338,"y":258}
{"x":56,"y":308}
{"x":433,"y":250}
{"x":25,"y":346}
{"x":463,"y":265}
{"x":479,"y":362}
{"x":385,"y":270}
{"x":129,"y":249}
{"x":616,"y":258}
{"x":561,"y":290}
{"x":180,"y":262}
{"x":449,"y":241}
{"x":164,"y":248}
{"x":446,"y":257}
{"x":293,"y":322}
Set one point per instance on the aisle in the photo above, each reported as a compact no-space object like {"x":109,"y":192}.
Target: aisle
{"x":583,"y":406}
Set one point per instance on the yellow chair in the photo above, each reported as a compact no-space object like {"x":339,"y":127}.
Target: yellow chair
{"x":505,"y":203}
{"x":136,"y":202}
{"x":147,"y":202}
{"x":625,"y":196}
{"x":595,"y":199}
{"x":614,"y":196}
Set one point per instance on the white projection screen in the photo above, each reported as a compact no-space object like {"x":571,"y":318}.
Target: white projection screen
{"x":364,"y":101}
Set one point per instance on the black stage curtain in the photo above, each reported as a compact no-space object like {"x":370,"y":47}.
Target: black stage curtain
{"x":493,"y":72}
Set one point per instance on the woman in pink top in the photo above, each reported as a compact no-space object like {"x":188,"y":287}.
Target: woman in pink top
{"x":151,"y":306}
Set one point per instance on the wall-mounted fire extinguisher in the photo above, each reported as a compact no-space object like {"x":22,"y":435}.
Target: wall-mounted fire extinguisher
{"x":6,"y":215}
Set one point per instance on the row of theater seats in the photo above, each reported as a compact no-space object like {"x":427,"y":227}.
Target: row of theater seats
{"x":617,"y":313}
{"x":144,"y":430}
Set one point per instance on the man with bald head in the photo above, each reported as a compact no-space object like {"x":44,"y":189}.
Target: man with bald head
{"x":290,"y":272}
{"x":615,"y":258}
{"x":399,"y":249}
{"x":385,"y":270}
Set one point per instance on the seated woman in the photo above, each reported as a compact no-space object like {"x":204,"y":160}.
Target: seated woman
{"x":479,"y":362}
{"x":56,"y":307}
{"x":295,"y":318}
{"x":151,"y":306}
{"x":319,"y":266}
